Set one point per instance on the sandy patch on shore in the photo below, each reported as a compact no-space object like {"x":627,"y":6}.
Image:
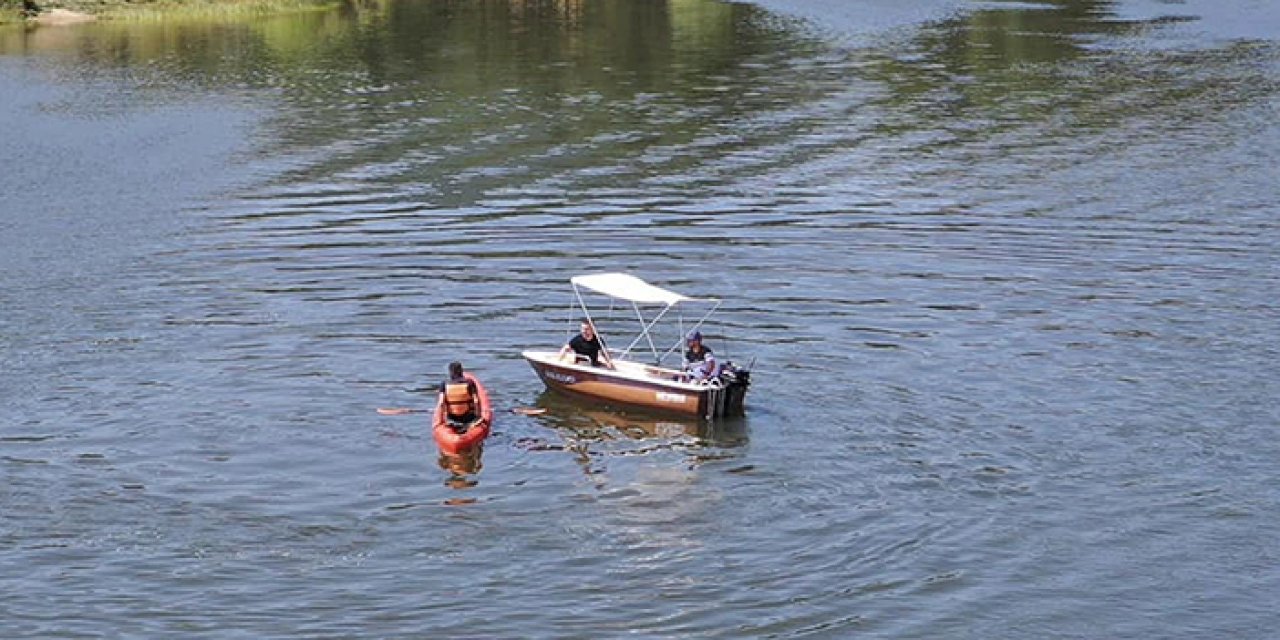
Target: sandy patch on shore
{"x":59,"y":17}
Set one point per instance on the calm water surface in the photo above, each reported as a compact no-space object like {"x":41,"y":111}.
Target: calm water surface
{"x":1008,"y":271}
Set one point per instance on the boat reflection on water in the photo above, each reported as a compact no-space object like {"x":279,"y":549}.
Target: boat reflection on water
{"x":598,"y":436}
{"x":600,"y":422}
{"x":461,"y":466}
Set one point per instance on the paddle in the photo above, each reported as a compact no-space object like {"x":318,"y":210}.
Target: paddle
{"x":400,"y":411}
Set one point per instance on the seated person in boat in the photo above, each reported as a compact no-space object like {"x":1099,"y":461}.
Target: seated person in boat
{"x":699,"y":363}
{"x":586,"y":344}
{"x":459,"y":397}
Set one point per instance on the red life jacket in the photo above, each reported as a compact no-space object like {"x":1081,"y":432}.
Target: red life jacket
{"x":458,"y":400}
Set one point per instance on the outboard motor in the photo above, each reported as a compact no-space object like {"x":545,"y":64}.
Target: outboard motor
{"x":734,"y":382}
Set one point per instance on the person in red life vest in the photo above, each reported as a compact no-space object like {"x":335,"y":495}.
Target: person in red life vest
{"x":587,"y":344}
{"x":699,"y":362}
{"x":460,"y":399}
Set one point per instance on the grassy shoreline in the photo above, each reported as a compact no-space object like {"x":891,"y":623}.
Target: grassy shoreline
{"x":30,"y":11}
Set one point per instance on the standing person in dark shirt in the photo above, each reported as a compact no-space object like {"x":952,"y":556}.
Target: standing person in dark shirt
{"x":588,"y":344}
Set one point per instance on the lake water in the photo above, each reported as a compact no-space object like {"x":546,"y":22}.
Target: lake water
{"x":1008,"y":273}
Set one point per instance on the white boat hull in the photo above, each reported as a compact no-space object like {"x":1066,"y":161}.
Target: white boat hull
{"x":639,"y":385}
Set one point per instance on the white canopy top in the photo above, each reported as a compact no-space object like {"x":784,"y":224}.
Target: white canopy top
{"x":627,"y":287}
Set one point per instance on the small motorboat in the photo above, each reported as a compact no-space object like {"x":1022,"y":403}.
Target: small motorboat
{"x":628,"y":381}
{"x":454,"y":438}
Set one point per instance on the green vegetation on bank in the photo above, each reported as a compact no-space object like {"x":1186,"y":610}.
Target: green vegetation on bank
{"x":11,"y":10}
{"x":18,"y":10}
